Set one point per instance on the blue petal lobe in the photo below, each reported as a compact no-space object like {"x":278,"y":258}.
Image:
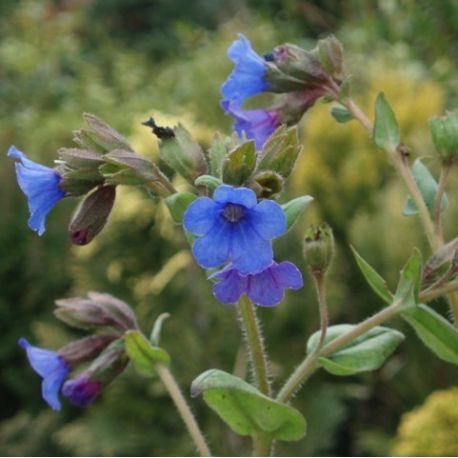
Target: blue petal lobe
{"x":200,"y":216}
{"x":268,"y":219}
{"x":232,"y":286}
{"x":228,"y":194}
{"x":212,"y":249}
{"x":250,"y":253}
{"x":287,"y":275}
{"x":264,"y":290}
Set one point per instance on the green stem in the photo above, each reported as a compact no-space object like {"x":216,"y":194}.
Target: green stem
{"x":320,"y":286}
{"x":445,"y":170}
{"x":261,"y":445}
{"x":448,"y":288}
{"x":183,"y":408}
{"x":254,"y":344}
{"x":310,"y":363}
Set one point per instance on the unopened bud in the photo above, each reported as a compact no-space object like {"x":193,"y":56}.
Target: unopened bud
{"x":103,"y":135}
{"x":183,"y":154}
{"x":267,"y":184}
{"x":444,"y":132}
{"x":91,"y":215}
{"x":319,"y":248}
{"x":442,"y":261}
{"x":86,"y":349}
{"x":330,"y":55}
{"x":98,"y":310}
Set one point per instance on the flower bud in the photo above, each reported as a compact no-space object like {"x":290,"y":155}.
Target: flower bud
{"x":444,"y":132}
{"x":86,"y":349}
{"x":319,"y":248}
{"x":98,"y":310}
{"x":84,"y":389}
{"x":267,"y":184}
{"x":329,"y":52}
{"x":91,"y":215}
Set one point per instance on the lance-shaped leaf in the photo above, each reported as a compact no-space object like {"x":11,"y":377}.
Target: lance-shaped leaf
{"x":239,"y":164}
{"x":409,"y":282}
{"x":375,"y":281}
{"x":294,"y":209}
{"x":341,"y":114}
{"x":178,"y":203}
{"x":438,"y":334}
{"x":216,"y":153}
{"x":367,"y":352}
{"x":386,"y":129}
{"x":143,"y":354}
{"x":281,"y":151}
{"x":245,"y":409}
{"x":183,"y":154}
{"x":428,"y":189}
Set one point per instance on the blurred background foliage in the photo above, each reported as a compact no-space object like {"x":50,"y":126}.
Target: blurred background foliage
{"x":125,"y":60}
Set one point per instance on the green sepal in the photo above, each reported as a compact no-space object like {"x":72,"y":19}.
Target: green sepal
{"x":143,"y":354}
{"x":209,"y":181}
{"x":294,"y":209}
{"x":178,"y":203}
{"x":246,"y":410}
{"x":386,"y":129}
{"x":367,"y":352}
{"x":239,"y":164}
{"x":375,"y":281}
{"x":341,"y":114}
{"x":438,"y":334}
{"x":218,"y":149}
{"x":409,"y":282}
{"x":428,"y":189}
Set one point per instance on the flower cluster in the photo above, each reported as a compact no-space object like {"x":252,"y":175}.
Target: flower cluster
{"x":234,"y":228}
{"x":105,"y":353}
{"x":301,"y":76}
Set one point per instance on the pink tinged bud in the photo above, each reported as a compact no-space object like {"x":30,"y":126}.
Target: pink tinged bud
{"x":91,"y":215}
{"x":86,"y":349}
{"x":81,"y":391}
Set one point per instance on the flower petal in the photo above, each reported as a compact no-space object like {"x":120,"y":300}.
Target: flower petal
{"x":212,"y":249}
{"x":287,"y":275}
{"x":228,"y":194}
{"x":268,"y":219}
{"x":200,"y":216}
{"x":229,"y":290}
{"x":250,"y":253}
{"x":263,"y":290}
{"x":81,"y":391}
{"x":51,"y":386}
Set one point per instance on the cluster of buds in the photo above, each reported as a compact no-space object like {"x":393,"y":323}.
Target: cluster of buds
{"x":103,"y":160}
{"x":102,"y":355}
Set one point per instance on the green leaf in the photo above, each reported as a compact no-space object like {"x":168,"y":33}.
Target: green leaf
{"x":245,"y":409}
{"x":178,"y":203}
{"x":375,"y":281}
{"x":209,"y":181}
{"x":428,"y":189}
{"x":239,"y":164}
{"x":386,"y":129}
{"x":341,"y":114}
{"x":294,"y":208}
{"x":216,"y":153}
{"x":409,"y":282}
{"x":366,"y":353}
{"x":438,"y":334}
{"x":143,"y":355}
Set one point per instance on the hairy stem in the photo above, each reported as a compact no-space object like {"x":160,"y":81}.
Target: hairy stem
{"x":310,"y":363}
{"x":183,"y":408}
{"x":445,"y":170}
{"x":320,"y":286}
{"x":254,"y":344}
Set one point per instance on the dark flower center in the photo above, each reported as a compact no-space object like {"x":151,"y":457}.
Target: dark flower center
{"x":233,"y":212}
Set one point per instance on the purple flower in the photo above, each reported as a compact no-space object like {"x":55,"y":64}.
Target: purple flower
{"x":265,"y":288}
{"x":234,"y":227}
{"x":257,"y":124}
{"x":51,"y":367}
{"x":81,"y":391}
{"x":247,"y":78}
{"x":41,"y":186}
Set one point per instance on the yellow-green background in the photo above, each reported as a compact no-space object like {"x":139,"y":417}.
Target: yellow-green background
{"x":126,"y":60}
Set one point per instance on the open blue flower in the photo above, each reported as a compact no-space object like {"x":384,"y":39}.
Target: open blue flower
{"x":257,"y":124}
{"x":51,"y":367}
{"x":233,"y":226}
{"x":265,"y":288}
{"x":81,"y":391}
{"x":247,"y":78}
{"x":41,"y":186}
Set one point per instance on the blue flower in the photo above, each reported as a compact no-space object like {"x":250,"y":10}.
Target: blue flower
{"x":81,"y":391}
{"x":247,"y":78}
{"x":51,"y":367}
{"x":265,"y":288}
{"x":257,"y":124}
{"x":41,"y":186}
{"x":234,"y":227}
